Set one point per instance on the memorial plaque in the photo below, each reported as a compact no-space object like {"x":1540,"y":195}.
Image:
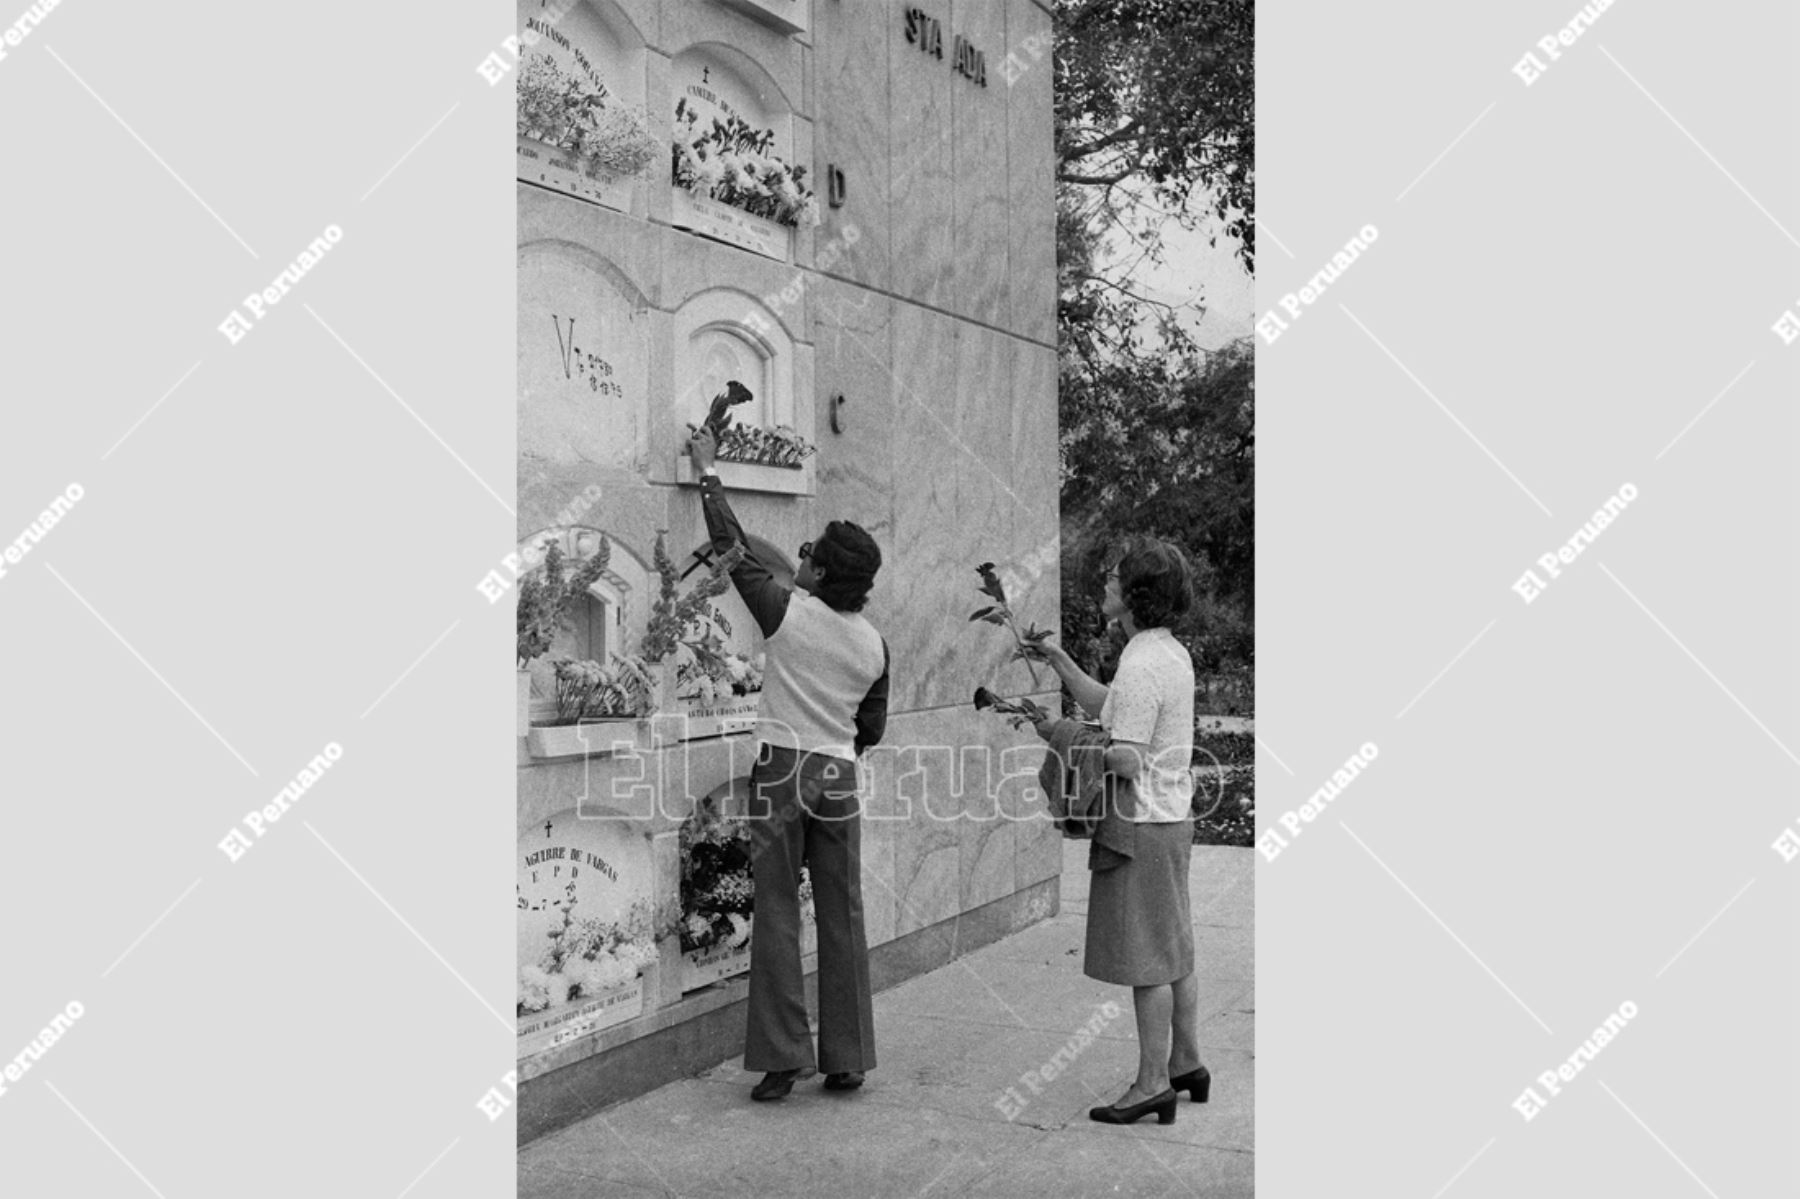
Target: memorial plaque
{"x":593,"y":869}
{"x":584,"y":362}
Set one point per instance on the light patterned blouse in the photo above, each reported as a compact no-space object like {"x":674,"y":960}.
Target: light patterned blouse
{"x":1151,"y":703}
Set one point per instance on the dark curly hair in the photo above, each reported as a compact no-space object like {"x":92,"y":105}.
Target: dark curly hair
{"x":850,"y":558}
{"x":1156,"y":582}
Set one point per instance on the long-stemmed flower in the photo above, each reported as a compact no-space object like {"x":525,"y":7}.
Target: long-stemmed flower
{"x":1001,"y":613}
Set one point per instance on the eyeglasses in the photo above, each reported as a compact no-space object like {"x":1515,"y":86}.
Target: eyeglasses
{"x":806,"y":549}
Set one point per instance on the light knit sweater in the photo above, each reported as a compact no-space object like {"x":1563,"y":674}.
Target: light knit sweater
{"x":820,"y":664}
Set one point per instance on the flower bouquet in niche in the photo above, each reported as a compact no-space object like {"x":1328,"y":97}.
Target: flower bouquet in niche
{"x":718,"y":894}
{"x":588,"y":691}
{"x":666,"y":638}
{"x":588,"y":957}
{"x":548,"y":597}
{"x":734,"y":163}
{"x":716,"y":880}
{"x":706,"y":671}
{"x":780,"y":446}
{"x":566,"y":113}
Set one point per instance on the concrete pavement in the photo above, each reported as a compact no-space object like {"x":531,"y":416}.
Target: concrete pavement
{"x":988,"y":1067}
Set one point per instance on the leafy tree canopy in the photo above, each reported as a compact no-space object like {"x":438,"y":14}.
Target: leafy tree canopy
{"x":1154,"y":124}
{"x":1160,"y":94}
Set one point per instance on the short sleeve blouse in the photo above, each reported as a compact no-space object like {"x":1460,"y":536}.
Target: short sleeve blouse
{"x":1151,"y":703}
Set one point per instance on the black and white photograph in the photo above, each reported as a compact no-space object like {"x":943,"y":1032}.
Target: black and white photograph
{"x":885,"y":591}
{"x":930,"y":464}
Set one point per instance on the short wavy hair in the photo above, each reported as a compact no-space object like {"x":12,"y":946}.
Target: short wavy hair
{"x":1156,"y":582}
{"x":850,"y":558}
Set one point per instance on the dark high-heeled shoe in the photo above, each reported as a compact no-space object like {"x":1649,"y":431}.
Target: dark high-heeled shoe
{"x":1196,"y":1082}
{"x":1163,"y":1105}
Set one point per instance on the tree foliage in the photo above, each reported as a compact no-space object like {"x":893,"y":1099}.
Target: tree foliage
{"x":1160,"y":93}
{"x":1154,"y":124}
{"x":1169,"y":452}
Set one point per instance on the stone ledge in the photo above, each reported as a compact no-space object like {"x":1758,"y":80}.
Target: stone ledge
{"x":707,"y":1027}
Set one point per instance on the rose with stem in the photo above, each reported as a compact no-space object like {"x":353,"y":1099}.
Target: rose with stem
{"x":1001,"y":613}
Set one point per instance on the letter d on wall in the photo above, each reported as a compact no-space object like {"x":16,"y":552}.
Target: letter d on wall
{"x":834,"y":186}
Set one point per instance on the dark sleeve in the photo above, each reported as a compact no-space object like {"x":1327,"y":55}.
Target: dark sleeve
{"x":871,"y":714}
{"x":766,"y":598}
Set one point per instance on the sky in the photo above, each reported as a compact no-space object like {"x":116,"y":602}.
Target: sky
{"x":1194,"y":270}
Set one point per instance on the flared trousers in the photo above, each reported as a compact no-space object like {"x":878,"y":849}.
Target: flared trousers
{"x":804,"y":809}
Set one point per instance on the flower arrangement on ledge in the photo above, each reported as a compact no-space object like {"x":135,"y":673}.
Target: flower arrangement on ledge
{"x":732,"y":163}
{"x":780,"y":446}
{"x":588,"y":691}
{"x":673,"y":613}
{"x":547,"y":597}
{"x":564,"y":112}
{"x":717,"y":887}
{"x":705,"y":670}
{"x":586,"y":957}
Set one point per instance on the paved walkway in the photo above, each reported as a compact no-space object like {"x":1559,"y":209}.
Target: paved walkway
{"x":933,"y":1118}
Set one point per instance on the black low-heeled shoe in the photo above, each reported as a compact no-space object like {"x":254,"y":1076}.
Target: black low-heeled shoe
{"x":1196,"y":1082}
{"x":774,"y":1085}
{"x":1163,"y":1105}
{"x":847,"y":1080}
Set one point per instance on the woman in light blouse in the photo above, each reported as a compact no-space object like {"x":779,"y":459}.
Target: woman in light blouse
{"x":1140,"y":931}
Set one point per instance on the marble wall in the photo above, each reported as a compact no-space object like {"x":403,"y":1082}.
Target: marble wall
{"x":927,"y":302}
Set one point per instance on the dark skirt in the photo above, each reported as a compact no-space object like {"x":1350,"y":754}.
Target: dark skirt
{"x":1140,"y":929}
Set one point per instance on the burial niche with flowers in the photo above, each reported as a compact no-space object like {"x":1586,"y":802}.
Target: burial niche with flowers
{"x":735,"y":170}
{"x":582,"y":126}
{"x":582,"y":609}
{"x":735,"y":370}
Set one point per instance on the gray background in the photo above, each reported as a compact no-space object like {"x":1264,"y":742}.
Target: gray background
{"x":275,"y":535}
{"x":1572,"y":804}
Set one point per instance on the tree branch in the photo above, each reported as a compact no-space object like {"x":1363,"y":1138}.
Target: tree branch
{"x":1098,"y":179}
{"x":1127,"y":130}
{"x":1126,"y":291}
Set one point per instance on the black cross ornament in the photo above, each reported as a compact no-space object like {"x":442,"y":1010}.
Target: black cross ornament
{"x":702,"y":557}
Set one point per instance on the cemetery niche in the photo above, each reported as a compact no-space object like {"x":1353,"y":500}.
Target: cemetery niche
{"x":589,"y":928}
{"x":670,"y":252}
{"x":732,"y":164}
{"x":583,"y":129}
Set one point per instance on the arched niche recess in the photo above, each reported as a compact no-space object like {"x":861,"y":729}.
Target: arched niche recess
{"x":723,"y":334}
{"x":584,"y":359}
{"x":610,"y":619}
{"x":714,"y":82}
{"x":572,"y":51}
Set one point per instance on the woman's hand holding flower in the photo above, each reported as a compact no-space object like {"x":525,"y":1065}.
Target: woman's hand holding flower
{"x":703,"y":447}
